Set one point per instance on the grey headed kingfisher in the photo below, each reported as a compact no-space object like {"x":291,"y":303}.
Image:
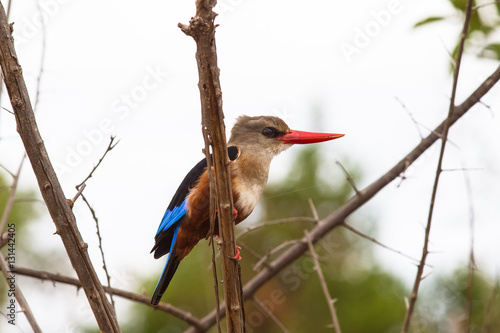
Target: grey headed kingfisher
{"x":254,"y":142}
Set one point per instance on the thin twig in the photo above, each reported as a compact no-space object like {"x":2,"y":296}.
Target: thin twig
{"x":80,"y":187}
{"x":7,"y":170}
{"x":268,"y":313}
{"x":42,"y":57}
{"x":485,"y":4}
{"x":71,"y":202}
{"x":313,"y":209}
{"x":8,"y":274}
{"x":274,"y":222}
{"x":108,"y":149}
{"x":472,"y":261}
{"x":273,"y":251}
{"x":12,"y":195}
{"x":415,"y":122}
{"x":371,"y":239}
{"x":447,"y":124}
{"x":140,"y":298}
{"x":348,"y":177}
{"x":108,"y":278}
{"x":317,"y":267}
{"x":250,"y":251}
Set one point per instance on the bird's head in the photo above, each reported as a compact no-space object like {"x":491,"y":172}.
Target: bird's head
{"x":270,"y":135}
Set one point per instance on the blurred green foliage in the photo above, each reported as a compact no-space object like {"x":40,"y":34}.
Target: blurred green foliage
{"x":483,"y":28}
{"x":444,"y":306}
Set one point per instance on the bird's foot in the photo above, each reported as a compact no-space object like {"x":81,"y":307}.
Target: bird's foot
{"x":238,"y":254}
{"x":235,"y":213}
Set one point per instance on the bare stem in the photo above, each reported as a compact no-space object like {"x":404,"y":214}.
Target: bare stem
{"x":108,"y":149}
{"x":140,"y":298}
{"x":268,"y":313}
{"x":98,"y":231}
{"x":447,"y":125}
{"x":322,"y":281}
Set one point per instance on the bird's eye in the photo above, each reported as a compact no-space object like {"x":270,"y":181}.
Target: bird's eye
{"x":271,"y":132}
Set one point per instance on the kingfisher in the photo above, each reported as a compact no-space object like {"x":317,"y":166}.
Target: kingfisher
{"x":254,"y":142}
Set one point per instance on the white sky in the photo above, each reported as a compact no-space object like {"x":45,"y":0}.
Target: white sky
{"x":124,"y":68}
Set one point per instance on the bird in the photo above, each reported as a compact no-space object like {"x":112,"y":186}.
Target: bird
{"x":253,"y":143}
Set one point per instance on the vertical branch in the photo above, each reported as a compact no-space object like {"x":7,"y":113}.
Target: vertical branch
{"x":472,"y":261}
{"x":439,"y":170}
{"x":47,"y":181}
{"x":202,"y":29}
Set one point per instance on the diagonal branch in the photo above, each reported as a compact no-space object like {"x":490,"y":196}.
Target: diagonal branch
{"x":317,"y":268}
{"x":47,"y":181}
{"x":268,"y":313}
{"x":336,"y":219}
{"x":371,"y":239}
{"x":439,"y":170}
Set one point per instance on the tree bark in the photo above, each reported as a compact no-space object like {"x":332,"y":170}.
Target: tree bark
{"x":202,"y":29}
{"x":49,"y":184}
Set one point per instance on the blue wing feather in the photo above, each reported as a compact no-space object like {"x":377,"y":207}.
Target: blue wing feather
{"x":172,"y":216}
{"x":169,"y":270}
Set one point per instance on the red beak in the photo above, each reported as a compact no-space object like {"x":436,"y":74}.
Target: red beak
{"x":300,"y":137}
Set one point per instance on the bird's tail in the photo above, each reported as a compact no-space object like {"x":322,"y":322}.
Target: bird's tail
{"x":168,"y":272}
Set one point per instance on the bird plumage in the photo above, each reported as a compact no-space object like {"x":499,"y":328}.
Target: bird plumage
{"x":253,"y":143}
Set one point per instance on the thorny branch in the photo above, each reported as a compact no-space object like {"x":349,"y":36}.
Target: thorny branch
{"x":324,"y":286}
{"x":98,"y":231}
{"x":140,"y":298}
{"x":446,"y":127}
{"x":80,"y":187}
{"x":202,"y":29}
{"x":48,"y":182}
{"x":112,"y":144}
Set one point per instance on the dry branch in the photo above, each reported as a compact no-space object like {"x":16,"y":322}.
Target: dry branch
{"x":439,"y":170}
{"x":47,"y":180}
{"x":202,"y":29}
{"x":268,"y":313}
{"x":336,"y":219}
{"x":324,"y":286}
{"x":139,"y":298}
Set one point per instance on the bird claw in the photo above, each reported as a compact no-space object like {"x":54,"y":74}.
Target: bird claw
{"x":235,"y":213}
{"x":237,"y":255}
